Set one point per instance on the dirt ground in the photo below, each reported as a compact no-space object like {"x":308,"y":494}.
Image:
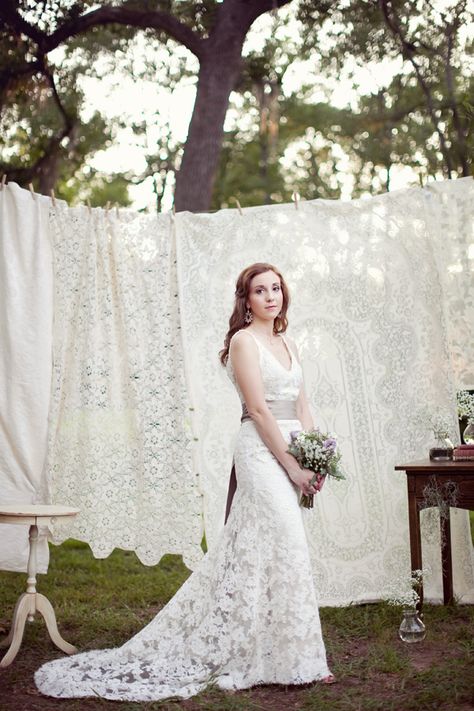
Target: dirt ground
{"x":354,"y":690}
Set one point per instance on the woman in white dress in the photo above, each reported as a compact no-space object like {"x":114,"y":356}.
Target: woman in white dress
{"x":248,"y":614}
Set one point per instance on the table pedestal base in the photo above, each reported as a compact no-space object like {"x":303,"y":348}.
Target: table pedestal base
{"x":27,"y":605}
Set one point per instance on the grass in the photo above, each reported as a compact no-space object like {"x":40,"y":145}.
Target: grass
{"x":101,"y":603}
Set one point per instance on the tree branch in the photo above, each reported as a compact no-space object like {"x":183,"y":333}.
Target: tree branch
{"x":123,"y":15}
{"x":409,"y":51}
{"x":106,"y":15}
{"x":10,"y":16}
{"x":68,"y":122}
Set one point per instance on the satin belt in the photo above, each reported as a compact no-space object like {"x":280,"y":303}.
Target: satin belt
{"x":281,"y":410}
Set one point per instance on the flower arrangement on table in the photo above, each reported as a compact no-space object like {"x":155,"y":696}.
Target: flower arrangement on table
{"x":466,"y":409}
{"x":466,"y":405}
{"x":440,"y":425}
{"x":316,"y":451}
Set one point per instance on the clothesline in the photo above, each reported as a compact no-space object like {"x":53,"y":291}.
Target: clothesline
{"x":108,"y":206}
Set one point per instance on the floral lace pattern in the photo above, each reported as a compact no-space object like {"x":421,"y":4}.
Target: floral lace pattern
{"x":369,"y":315}
{"x":120,"y":436}
{"x":247,"y":615}
{"x":382,"y":307}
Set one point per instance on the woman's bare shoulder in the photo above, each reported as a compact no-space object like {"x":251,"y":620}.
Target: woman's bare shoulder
{"x":241,"y":340}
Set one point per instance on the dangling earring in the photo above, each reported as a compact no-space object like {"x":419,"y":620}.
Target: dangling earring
{"x":248,"y":316}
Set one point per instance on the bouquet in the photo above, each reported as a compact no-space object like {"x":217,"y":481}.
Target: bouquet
{"x":317,"y":451}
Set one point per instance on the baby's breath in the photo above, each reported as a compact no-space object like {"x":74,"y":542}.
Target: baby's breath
{"x":466,"y":405}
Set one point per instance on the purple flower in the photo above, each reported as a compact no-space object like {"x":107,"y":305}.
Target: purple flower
{"x":294,"y":434}
{"x":330,"y":443}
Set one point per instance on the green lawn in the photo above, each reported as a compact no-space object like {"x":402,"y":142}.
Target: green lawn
{"x":101,"y":603}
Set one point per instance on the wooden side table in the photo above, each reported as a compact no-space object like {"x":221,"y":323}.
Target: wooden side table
{"x":459,"y":475}
{"x":31,"y":601}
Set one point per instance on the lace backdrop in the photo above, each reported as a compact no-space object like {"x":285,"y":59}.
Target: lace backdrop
{"x":369,"y":317}
{"x":120,"y":437}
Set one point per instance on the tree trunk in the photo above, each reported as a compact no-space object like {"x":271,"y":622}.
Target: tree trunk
{"x":220,"y":65}
{"x":217,"y":76}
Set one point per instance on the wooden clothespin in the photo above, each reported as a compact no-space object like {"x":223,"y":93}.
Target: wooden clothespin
{"x":32,"y":191}
{"x":117,"y":211}
{"x":4,"y":181}
{"x":107,"y":206}
{"x":53,"y":198}
{"x":295,"y":198}
{"x":88,"y":203}
{"x":239,"y":208}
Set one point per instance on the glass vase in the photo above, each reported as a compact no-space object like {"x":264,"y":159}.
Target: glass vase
{"x":411,"y":628}
{"x":468,"y":434}
{"x":442,"y":450}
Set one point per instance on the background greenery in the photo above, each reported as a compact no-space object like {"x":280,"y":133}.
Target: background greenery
{"x":284,"y":131}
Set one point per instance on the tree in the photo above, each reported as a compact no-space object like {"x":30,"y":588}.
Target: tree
{"x":427,"y":36}
{"x":214,"y":32}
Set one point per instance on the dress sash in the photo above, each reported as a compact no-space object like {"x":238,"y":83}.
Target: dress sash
{"x":281,"y":410}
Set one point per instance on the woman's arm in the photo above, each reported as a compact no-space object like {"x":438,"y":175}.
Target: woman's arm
{"x":303,"y":411}
{"x":302,"y":407}
{"x":245,"y":362}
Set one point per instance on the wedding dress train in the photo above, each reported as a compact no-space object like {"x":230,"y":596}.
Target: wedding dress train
{"x":247,"y":615}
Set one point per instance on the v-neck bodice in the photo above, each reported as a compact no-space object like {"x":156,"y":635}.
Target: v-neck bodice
{"x":288,"y":349}
{"x":278,"y":382}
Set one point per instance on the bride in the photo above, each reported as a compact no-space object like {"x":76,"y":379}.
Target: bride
{"x":248,"y":614}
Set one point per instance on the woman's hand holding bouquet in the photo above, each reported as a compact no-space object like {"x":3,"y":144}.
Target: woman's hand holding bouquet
{"x":316,"y":451}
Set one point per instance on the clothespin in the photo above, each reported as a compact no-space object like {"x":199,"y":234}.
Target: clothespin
{"x":4,"y":181}
{"x":295,"y":197}
{"x":107,"y":207}
{"x":238,"y":206}
{"x":30,"y":186}
{"x":53,"y":198}
{"x":88,"y":203}
{"x":117,"y":211}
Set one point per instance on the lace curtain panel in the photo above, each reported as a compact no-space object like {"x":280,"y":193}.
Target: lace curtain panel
{"x":369,"y":317}
{"x":120,"y":437}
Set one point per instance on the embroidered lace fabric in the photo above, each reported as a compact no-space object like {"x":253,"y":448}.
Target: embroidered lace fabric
{"x":382,"y":307}
{"x":120,"y":435}
{"x":247,"y":615}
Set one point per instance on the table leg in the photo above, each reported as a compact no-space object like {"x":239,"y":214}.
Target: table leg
{"x":446,"y":558}
{"x":44,"y":606}
{"x":415,"y":534}
{"x":7,"y":641}
{"x":28,"y":604}
{"x":23,"y":611}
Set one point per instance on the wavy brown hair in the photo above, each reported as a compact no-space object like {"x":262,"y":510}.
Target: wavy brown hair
{"x":242,"y":288}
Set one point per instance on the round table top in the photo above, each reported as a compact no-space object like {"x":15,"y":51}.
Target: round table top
{"x":37,"y":510}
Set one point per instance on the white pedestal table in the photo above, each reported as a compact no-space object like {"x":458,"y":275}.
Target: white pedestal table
{"x":31,"y":601}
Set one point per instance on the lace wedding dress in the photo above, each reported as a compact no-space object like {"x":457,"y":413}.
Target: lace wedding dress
{"x":247,"y":615}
